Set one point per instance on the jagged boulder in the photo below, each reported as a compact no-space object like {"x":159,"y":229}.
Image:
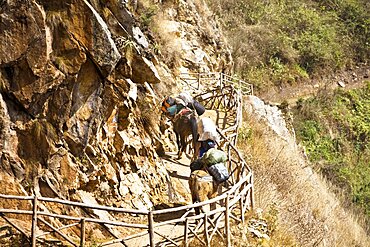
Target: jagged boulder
{"x":271,"y":114}
{"x":69,"y":95}
{"x":189,"y":33}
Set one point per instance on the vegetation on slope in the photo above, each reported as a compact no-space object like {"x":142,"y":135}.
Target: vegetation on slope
{"x":287,"y":41}
{"x":335,"y":129}
{"x":296,"y":203}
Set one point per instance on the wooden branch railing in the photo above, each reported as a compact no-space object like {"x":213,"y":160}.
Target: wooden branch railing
{"x":240,"y":192}
{"x":200,"y":82}
{"x":232,"y":196}
{"x":226,"y":102}
{"x":224,"y":94}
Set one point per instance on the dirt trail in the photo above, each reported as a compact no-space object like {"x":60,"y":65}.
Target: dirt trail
{"x":347,"y":80}
{"x":179,"y":171}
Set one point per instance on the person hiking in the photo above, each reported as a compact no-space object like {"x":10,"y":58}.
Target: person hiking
{"x":207,"y":135}
{"x":172,"y":105}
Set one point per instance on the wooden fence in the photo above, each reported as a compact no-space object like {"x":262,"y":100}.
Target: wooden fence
{"x":150,"y":230}
{"x":225,"y":102}
{"x":150,"y":227}
{"x":201,"y":82}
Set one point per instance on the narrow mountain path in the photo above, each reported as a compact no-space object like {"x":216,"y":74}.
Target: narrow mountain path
{"x":347,"y":80}
{"x":170,"y":224}
{"x":179,"y":171}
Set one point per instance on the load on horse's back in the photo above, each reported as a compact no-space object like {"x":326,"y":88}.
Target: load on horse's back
{"x":213,"y":161}
{"x":202,"y":187}
{"x":184,"y":119}
{"x":207,"y":135}
{"x":171,"y":105}
{"x":208,"y":173}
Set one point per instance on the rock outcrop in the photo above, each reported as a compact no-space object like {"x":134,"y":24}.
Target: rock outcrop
{"x":79,"y":83}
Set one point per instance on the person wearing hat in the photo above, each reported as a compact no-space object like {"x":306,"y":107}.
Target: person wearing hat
{"x":172,"y":106}
{"x":205,"y":146}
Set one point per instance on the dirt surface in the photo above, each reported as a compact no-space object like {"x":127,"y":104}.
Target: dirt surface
{"x":349,"y":79}
{"x":179,"y":171}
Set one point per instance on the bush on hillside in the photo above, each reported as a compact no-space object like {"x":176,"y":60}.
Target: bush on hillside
{"x":279,"y":42}
{"x":335,"y":128}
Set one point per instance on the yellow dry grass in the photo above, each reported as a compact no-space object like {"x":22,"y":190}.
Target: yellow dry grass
{"x":306,"y":212}
{"x":168,"y":44}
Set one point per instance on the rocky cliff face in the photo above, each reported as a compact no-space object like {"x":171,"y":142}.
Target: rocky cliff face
{"x":80,"y":84}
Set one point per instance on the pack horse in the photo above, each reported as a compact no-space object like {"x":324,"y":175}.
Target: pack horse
{"x":183,"y":112}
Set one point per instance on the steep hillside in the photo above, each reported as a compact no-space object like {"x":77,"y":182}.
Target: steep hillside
{"x":334,"y":127}
{"x":287,"y":43}
{"x":296,"y":201}
{"x":79,"y":83}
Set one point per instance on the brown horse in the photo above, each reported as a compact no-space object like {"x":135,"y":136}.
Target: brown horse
{"x":203,"y":187}
{"x":184,"y":122}
{"x":184,"y":125}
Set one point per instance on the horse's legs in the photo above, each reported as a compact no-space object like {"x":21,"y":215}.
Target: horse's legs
{"x":178,"y":142}
{"x":182,"y":144}
{"x":194,"y":192}
{"x":183,"y":127}
{"x":196,"y":150}
{"x":194,"y":200}
{"x":197,"y":210}
{"x":216,"y":189}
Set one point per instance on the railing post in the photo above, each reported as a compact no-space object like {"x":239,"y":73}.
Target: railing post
{"x":241,"y":205}
{"x":151,"y":228}
{"x":234,"y":176}
{"x":83,"y":233}
{"x":186,"y":232}
{"x":206,"y":230}
{"x":221,"y":80}
{"x":34,"y":222}
{"x":198,"y":79}
{"x":252,"y":192}
{"x":227,"y":221}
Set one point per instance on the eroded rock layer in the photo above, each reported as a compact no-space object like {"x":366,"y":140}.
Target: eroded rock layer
{"x":80,"y":85}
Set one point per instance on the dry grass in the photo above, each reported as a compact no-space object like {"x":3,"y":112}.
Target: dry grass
{"x":308,"y":214}
{"x":168,"y":43}
{"x":156,"y":21}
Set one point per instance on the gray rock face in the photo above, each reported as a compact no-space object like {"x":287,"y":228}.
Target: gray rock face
{"x":271,"y":114}
{"x":195,"y":38}
{"x":103,"y":50}
{"x":9,"y":160}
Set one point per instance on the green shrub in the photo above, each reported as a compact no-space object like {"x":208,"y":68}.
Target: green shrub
{"x":285,"y":41}
{"x":355,"y":16}
{"x":335,"y":129}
